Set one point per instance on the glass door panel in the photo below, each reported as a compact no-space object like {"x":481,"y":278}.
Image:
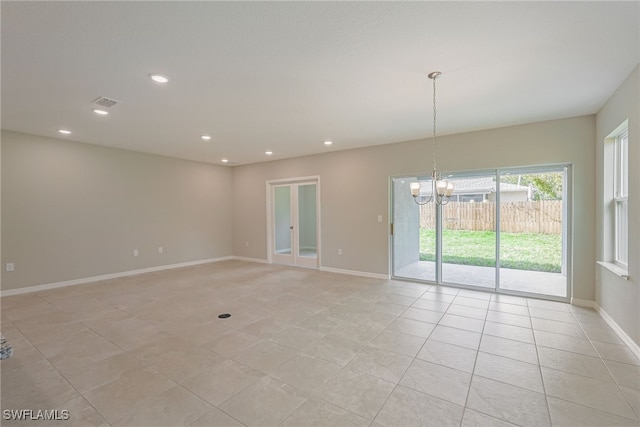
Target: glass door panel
{"x":532,"y":212}
{"x":307,"y":220}
{"x":469,"y":232}
{"x":282,"y":220}
{"x":414,"y":232}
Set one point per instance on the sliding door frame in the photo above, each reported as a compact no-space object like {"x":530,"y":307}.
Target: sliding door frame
{"x":567,"y":230}
{"x":567,"y":227}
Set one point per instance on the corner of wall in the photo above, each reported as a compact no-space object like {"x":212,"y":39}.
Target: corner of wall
{"x":616,"y":297}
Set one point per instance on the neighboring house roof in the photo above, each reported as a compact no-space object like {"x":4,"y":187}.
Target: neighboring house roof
{"x":475,"y":186}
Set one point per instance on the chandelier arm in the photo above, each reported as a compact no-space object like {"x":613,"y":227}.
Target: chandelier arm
{"x":427,"y":201}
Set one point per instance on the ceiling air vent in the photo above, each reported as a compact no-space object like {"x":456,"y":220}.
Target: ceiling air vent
{"x":104,"y":102}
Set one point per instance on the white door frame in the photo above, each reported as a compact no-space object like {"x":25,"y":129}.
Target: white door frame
{"x":296,"y":260}
{"x":567,"y":232}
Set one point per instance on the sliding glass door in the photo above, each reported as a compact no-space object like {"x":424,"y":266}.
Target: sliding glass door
{"x":414,"y":233}
{"x":502,"y":230}
{"x":468,"y":232}
{"x":532,"y":231}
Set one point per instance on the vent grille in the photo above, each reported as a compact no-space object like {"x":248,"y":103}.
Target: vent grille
{"x":104,"y":102}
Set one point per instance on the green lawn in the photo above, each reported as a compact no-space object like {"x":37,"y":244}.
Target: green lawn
{"x":521,"y":251}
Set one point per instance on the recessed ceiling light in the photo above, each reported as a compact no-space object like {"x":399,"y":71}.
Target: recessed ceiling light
{"x":225,"y":160}
{"x":64,"y":131}
{"x":206,"y":137}
{"x":328,"y":142}
{"x":100,"y":112}
{"x":268,"y":153}
{"x":159,"y":78}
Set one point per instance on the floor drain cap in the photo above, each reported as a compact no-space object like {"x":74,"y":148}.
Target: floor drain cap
{"x":224,"y":316}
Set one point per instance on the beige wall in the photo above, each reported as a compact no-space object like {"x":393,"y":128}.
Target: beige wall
{"x":355,"y":189}
{"x":619,"y":298}
{"x":74,"y":210}
{"x":71,"y":210}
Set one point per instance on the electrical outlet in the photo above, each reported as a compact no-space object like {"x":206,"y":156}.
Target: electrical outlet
{"x":135,"y":252}
{"x":379,"y":218}
{"x":339,"y":251}
{"x":10,"y":266}
{"x":246,"y":243}
{"x":160,"y":249}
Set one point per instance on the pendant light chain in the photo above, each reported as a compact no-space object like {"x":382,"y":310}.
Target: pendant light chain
{"x":435,"y":146}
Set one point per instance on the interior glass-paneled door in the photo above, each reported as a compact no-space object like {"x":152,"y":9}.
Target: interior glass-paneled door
{"x":294,"y":237}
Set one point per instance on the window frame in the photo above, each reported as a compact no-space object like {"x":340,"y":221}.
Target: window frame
{"x":621,"y":198}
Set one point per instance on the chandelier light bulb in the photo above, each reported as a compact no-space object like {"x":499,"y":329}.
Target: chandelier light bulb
{"x":415,"y":189}
{"x":450,"y":188}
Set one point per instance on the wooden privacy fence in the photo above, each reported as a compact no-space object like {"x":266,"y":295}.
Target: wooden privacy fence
{"x":539,"y":216}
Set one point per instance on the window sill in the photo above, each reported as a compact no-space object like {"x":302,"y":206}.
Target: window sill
{"x":615,"y":269}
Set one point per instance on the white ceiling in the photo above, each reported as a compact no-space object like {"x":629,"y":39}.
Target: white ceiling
{"x":285,"y":76}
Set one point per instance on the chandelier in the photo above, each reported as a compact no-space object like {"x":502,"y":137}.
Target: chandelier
{"x":441,"y":190}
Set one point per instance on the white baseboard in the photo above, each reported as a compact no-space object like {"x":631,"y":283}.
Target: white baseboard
{"x":326,"y":269}
{"x":356,"y":273}
{"x":633,"y":346}
{"x":85,"y":280}
{"x":93,"y":279}
{"x":242,"y":258}
{"x":583,"y":303}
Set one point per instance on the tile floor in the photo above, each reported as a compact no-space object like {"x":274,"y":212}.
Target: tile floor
{"x":304,"y":347}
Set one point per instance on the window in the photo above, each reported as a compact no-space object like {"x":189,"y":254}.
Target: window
{"x":621,"y":198}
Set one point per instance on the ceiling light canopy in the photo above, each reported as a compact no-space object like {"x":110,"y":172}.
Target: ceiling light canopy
{"x":225,"y":160}
{"x":159,"y":78}
{"x":64,"y":131}
{"x":268,"y":152}
{"x":100,"y":112}
{"x":328,"y":142}
{"x":205,"y":137}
